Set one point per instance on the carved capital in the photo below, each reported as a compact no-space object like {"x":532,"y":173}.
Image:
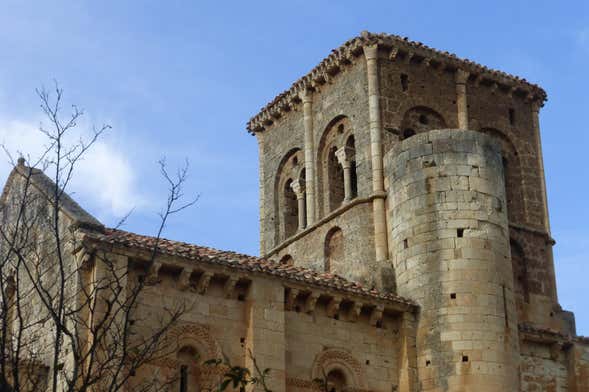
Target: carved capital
{"x":306,"y":95}
{"x":371,"y":52}
{"x":298,"y":188}
{"x":344,"y":156}
{"x":461,"y":76}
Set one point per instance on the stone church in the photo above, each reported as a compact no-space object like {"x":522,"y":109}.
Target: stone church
{"x":404,"y":237}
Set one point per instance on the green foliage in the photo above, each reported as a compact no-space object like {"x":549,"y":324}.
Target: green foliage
{"x":239,"y":377}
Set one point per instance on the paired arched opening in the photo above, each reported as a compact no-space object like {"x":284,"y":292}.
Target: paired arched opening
{"x":512,"y":175}
{"x":420,"y":119}
{"x":290,"y":196}
{"x":338,"y":178}
{"x":334,"y":251}
{"x":290,"y":209}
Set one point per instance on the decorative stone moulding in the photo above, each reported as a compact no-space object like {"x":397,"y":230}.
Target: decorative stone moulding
{"x":397,"y":49}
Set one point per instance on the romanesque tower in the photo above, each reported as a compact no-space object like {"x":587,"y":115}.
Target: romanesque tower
{"x":413,"y":171}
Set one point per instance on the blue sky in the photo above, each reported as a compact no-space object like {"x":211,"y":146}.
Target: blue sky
{"x":181,"y":78}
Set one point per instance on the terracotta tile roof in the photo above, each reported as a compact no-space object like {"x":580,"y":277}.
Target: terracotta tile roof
{"x":352,"y":48}
{"x":241,"y":262}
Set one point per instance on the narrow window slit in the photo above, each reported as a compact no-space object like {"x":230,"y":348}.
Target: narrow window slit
{"x":404,"y":82}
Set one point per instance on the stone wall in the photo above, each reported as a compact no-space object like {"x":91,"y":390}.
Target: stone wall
{"x":297,"y":343}
{"x":308,"y":250}
{"x":451,"y":254}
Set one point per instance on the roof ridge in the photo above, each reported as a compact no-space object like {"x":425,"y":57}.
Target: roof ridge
{"x":345,"y":54}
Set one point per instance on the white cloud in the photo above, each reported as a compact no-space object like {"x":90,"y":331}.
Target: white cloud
{"x":104,"y":179}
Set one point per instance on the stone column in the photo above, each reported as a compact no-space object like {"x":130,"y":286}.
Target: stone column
{"x":461,"y":103}
{"x":342,"y":155}
{"x":309,"y":154}
{"x":299,"y":191}
{"x":260,"y":137}
{"x":375,"y":126}
{"x":266,"y":331}
{"x":536,"y":123}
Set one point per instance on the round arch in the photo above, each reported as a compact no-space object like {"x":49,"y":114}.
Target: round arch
{"x":290,"y":168}
{"x":516,"y":207}
{"x":330,"y":176}
{"x":339,"y":360}
{"x":420,"y":119}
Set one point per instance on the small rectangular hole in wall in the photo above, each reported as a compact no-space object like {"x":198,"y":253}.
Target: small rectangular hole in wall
{"x":404,"y":82}
{"x":368,"y":361}
{"x":465,"y":358}
{"x":511,"y":116}
{"x":405,"y":243}
{"x":460,"y":233}
{"x":428,"y":362}
{"x":242,"y":340}
{"x":453,"y":295}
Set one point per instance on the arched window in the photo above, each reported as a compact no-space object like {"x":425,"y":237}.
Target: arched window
{"x":336,"y":381}
{"x":334,"y":251}
{"x":290,"y":196}
{"x":188,"y":372}
{"x":512,"y":174}
{"x":420,"y":119}
{"x":351,"y":151}
{"x":290,"y":214}
{"x":337,"y":177}
{"x":335,"y":174}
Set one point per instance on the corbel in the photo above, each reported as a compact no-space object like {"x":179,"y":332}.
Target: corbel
{"x":355,"y":311}
{"x":203,"y":282}
{"x":291,"y":299}
{"x":85,"y":261}
{"x":311,"y":302}
{"x":229,"y":286}
{"x":333,"y":306}
{"x":376,"y":315}
{"x":395,"y":54}
{"x":184,"y":278}
{"x":153,"y":273}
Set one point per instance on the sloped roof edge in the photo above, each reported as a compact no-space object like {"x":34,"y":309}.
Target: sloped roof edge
{"x":242,"y":262}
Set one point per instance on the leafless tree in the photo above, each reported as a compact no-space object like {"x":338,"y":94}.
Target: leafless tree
{"x":68,"y":317}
